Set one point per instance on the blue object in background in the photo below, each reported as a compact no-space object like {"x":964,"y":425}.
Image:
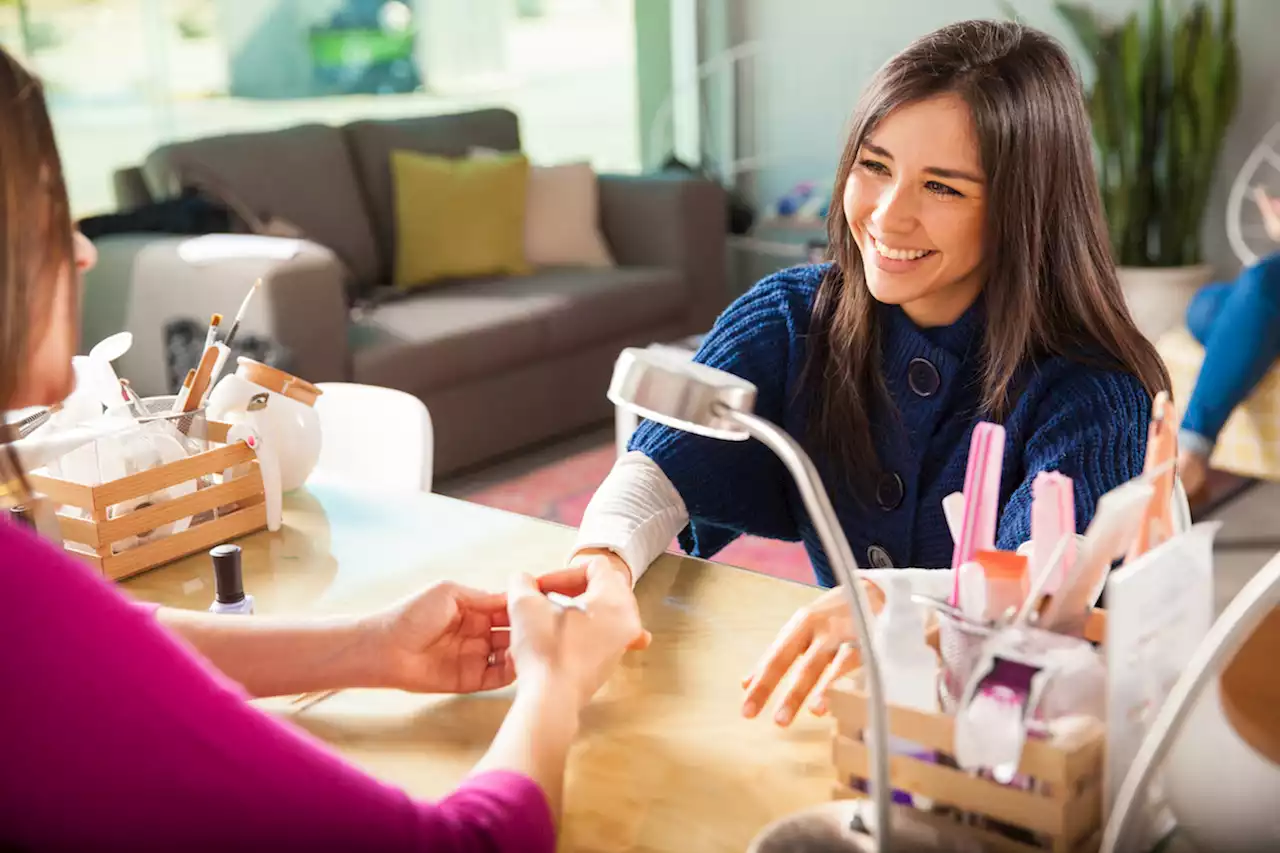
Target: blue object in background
{"x":357,"y":52}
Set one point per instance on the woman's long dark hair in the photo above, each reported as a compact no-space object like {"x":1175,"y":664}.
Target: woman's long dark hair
{"x":1050,"y":281}
{"x":35,"y":229}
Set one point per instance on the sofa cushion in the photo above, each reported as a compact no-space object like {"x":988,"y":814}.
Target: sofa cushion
{"x":302,"y":174}
{"x":457,"y":332}
{"x":458,"y":218}
{"x":371,"y":144}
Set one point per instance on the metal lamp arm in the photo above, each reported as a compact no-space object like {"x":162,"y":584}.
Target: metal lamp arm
{"x":834,"y":542}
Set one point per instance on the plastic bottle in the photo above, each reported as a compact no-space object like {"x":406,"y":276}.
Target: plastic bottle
{"x":909,"y":664}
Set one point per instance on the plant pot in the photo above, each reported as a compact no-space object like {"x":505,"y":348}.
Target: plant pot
{"x":1158,"y":296}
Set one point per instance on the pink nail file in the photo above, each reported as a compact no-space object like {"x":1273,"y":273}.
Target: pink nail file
{"x":1053,"y":516}
{"x":981,"y":499}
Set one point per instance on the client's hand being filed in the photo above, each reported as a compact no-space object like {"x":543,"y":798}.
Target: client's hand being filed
{"x":574,"y":649}
{"x":816,"y":643}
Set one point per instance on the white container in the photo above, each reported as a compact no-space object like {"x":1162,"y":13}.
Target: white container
{"x":290,"y":420}
{"x":909,"y":663}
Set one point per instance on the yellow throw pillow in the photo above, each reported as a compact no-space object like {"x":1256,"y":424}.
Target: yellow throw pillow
{"x":458,"y":218}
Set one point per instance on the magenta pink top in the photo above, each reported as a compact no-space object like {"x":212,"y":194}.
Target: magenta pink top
{"x":116,"y":735}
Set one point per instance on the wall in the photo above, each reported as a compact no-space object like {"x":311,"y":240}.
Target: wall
{"x":819,"y":54}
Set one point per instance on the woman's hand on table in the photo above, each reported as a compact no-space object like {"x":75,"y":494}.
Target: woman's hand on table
{"x":574,"y":648}
{"x":446,"y":639}
{"x":815,"y":646}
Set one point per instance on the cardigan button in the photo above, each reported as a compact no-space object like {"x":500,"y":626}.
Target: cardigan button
{"x":889,"y":491}
{"x":879,"y":557}
{"x":923,"y":377}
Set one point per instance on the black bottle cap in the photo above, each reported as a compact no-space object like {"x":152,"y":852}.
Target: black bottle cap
{"x":228,"y":582}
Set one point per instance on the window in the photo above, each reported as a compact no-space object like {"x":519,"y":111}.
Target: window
{"x":125,"y":76}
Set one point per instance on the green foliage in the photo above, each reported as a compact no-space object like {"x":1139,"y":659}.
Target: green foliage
{"x":1163,"y":94}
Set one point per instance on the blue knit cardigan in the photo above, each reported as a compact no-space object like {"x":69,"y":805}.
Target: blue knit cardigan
{"x":1084,"y":421}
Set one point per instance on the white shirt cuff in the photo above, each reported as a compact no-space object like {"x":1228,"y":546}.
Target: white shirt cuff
{"x":635,"y":513}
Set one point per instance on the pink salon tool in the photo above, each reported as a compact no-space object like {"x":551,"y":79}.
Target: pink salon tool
{"x":981,"y":499}
{"x":1053,"y":518}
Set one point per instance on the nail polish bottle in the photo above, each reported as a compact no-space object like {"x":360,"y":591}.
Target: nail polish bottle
{"x":228,"y":582}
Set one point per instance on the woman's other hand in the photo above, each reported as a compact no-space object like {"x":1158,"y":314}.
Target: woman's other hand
{"x":571,"y":648}
{"x":816,"y":646}
{"x":446,"y":639}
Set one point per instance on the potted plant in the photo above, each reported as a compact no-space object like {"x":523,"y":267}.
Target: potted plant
{"x":1162,"y":98}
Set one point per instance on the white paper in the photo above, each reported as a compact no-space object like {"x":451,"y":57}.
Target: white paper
{"x":1159,"y":609}
{"x":212,"y":248}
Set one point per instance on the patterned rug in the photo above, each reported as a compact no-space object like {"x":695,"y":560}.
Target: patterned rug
{"x":560,"y":492}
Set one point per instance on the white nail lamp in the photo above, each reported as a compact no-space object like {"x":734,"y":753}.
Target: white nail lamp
{"x":705,"y":401}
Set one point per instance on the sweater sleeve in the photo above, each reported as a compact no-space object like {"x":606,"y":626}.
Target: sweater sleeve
{"x":734,"y":487}
{"x":123,"y":738}
{"x":1092,"y":428}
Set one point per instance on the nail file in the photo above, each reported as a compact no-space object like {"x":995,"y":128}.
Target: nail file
{"x":1053,"y":516}
{"x":1156,"y":526}
{"x":1108,"y":538}
{"x":981,"y":498}
{"x":564,"y":602}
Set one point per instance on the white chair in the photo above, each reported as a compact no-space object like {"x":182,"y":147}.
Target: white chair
{"x":378,"y":436}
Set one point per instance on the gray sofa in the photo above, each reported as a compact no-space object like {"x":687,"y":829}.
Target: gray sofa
{"x":501,"y":363}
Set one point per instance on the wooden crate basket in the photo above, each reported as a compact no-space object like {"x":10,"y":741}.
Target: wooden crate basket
{"x":1061,"y":813}
{"x":219,"y":512}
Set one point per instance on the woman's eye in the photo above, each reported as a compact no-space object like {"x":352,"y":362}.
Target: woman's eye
{"x":874,"y":166}
{"x":940,"y":189}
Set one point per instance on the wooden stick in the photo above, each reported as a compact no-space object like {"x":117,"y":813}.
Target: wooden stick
{"x":201,"y":381}
{"x":306,"y":700}
{"x":184,"y":392}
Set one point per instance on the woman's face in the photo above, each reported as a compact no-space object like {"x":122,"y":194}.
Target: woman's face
{"x":915,"y":203}
{"x":55,"y":332}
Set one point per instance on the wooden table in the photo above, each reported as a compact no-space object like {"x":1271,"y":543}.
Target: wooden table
{"x":664,"y":761}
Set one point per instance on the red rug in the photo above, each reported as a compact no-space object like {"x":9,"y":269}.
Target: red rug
{"x":560,"y":492}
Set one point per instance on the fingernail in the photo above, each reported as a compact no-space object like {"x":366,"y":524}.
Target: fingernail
{"x":782,"y":717}
{"x":818,"y":707}
{"x":750,"y":709}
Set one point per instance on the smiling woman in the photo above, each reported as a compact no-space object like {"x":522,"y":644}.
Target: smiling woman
{"x":969,"y":279}
{"x":918,"y":222}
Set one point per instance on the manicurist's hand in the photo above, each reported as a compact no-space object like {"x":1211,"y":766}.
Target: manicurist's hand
{"x":594,"y":568}
{"x":571,"y":648}
{"x":815,"y":648}
{"x":446,"y":639}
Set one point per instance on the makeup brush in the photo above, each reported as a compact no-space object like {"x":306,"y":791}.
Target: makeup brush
{"x":212,"y":334}
{"x":180,"y":402}
{"x":244,"y":307}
